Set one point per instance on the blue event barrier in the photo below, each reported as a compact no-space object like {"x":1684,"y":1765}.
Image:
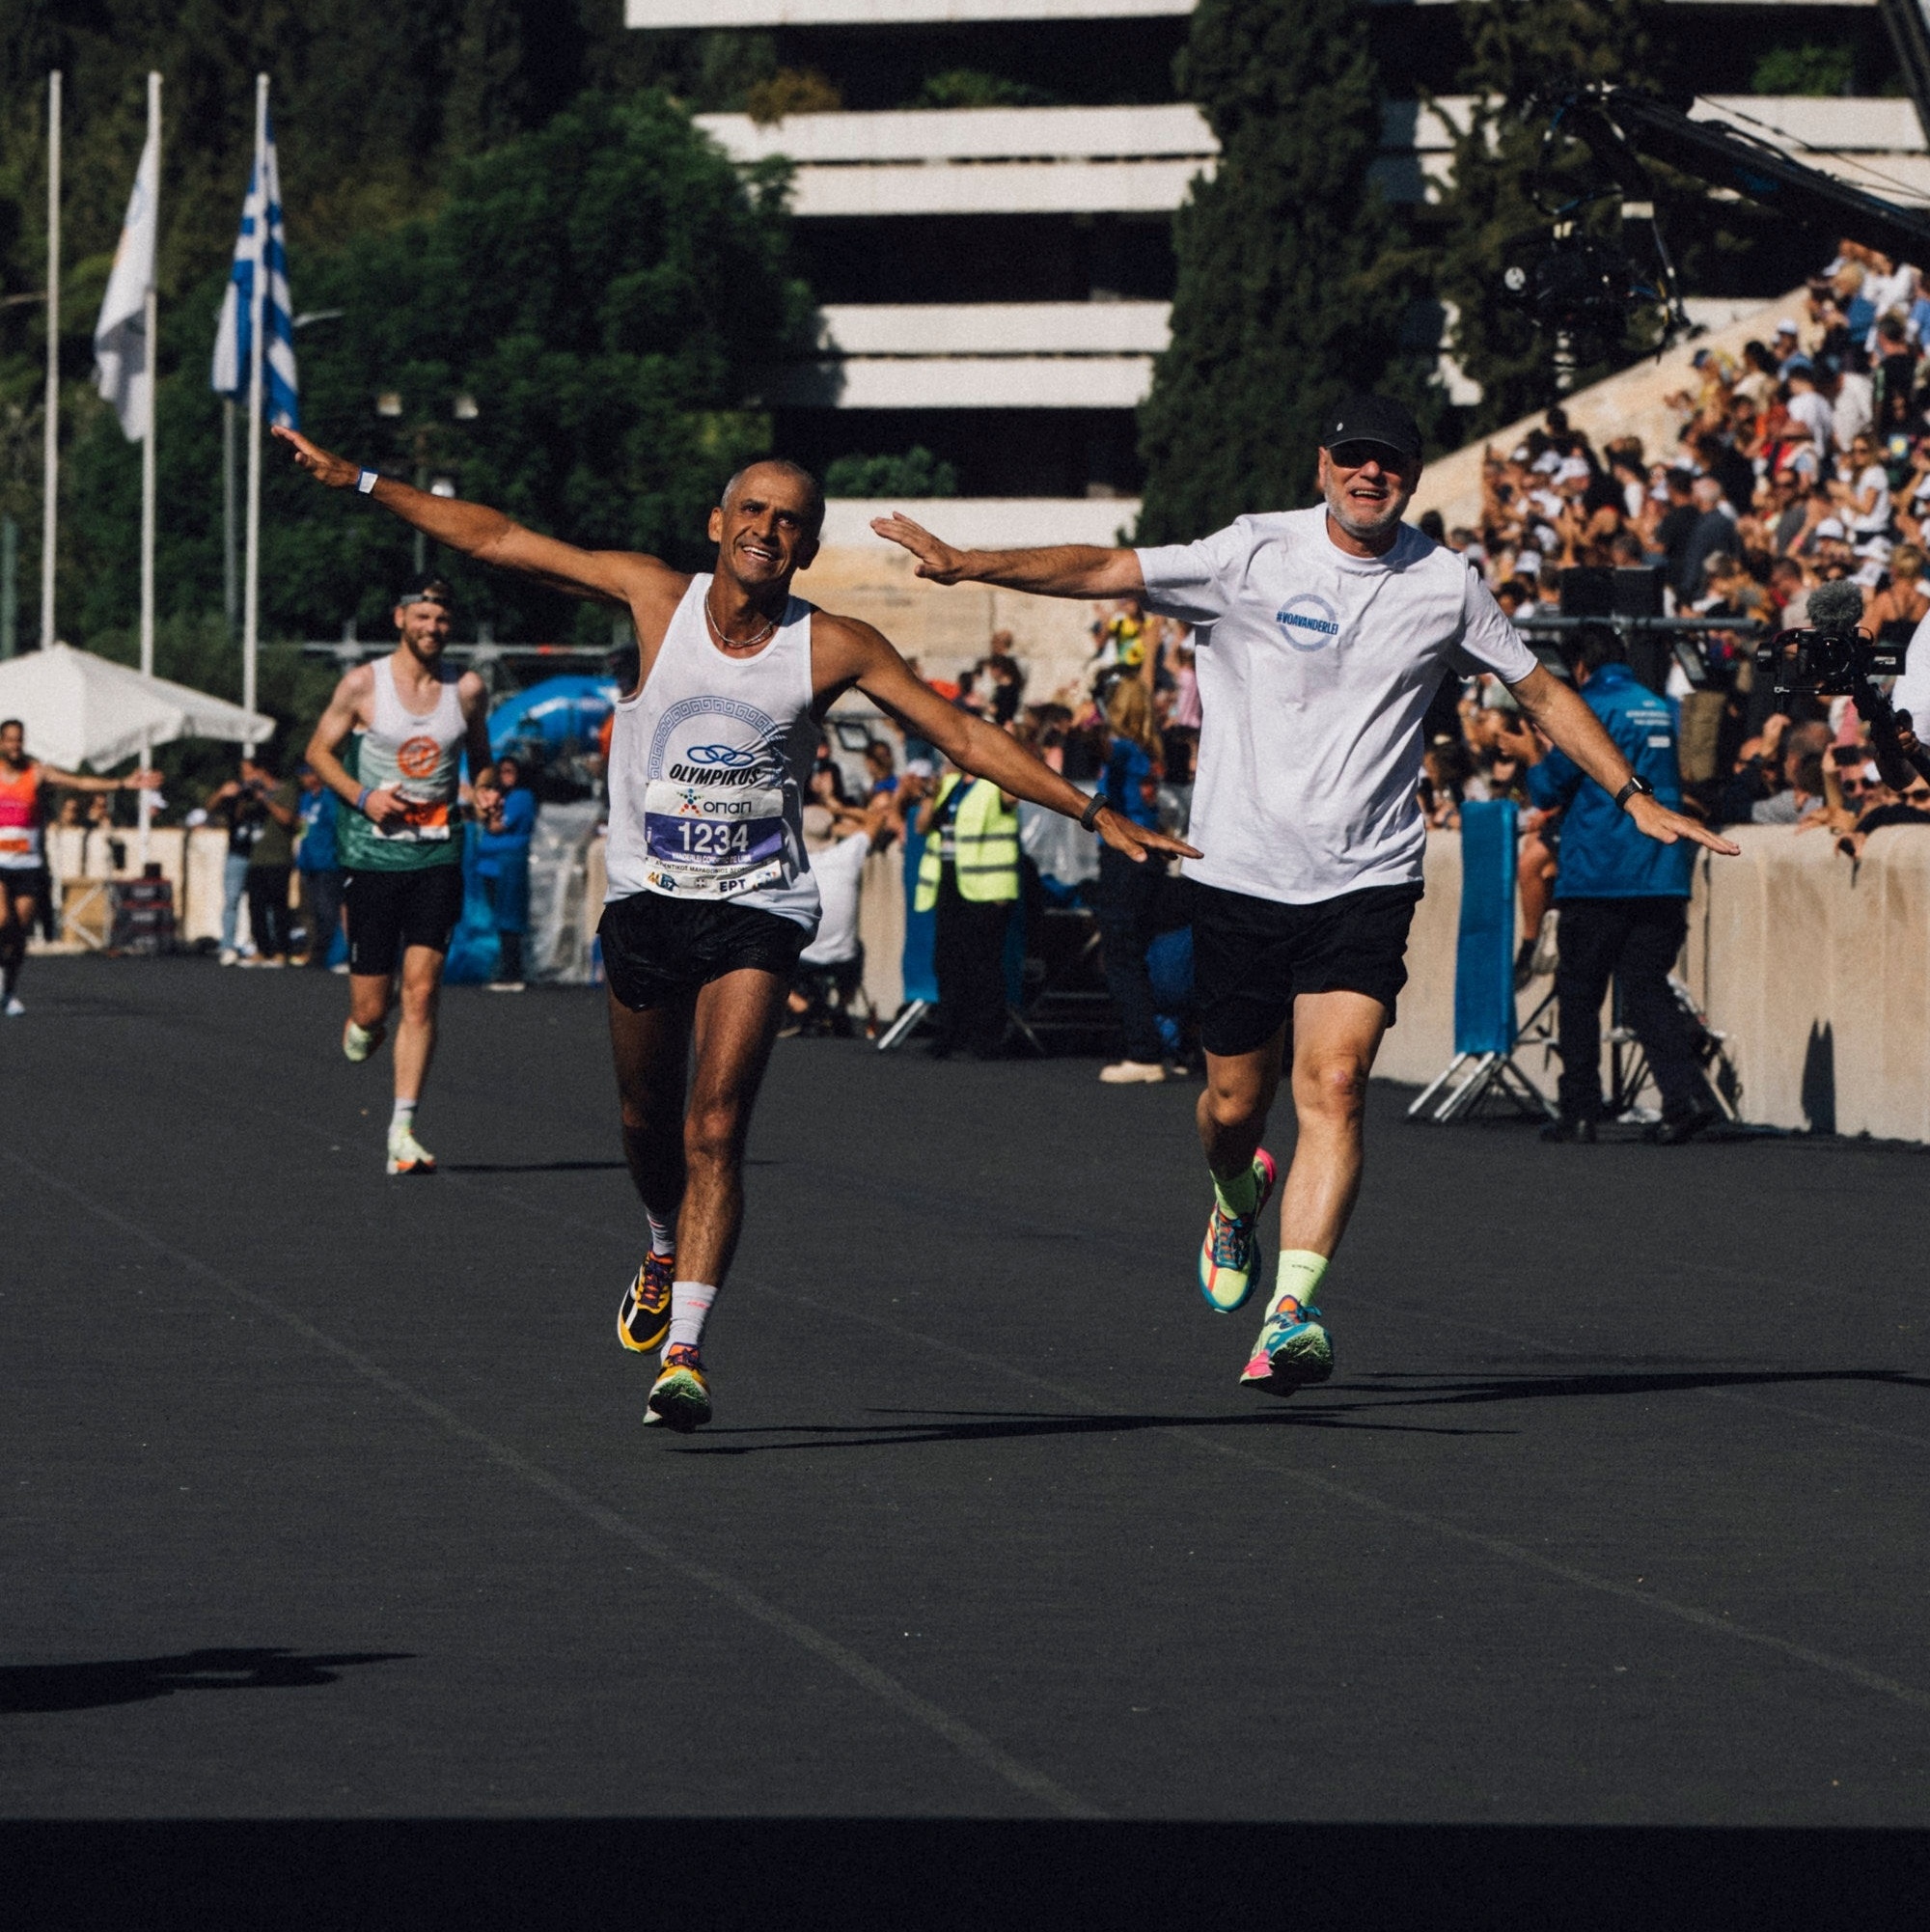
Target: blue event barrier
{"x":1484,"y":1008}
{"x":920,"y":980}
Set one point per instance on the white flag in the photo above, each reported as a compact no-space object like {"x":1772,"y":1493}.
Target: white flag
{"x":122,"y":362}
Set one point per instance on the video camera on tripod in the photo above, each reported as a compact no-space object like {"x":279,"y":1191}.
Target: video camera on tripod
{"x":1833,"y":657}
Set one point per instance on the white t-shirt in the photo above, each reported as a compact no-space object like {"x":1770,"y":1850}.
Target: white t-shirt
{"x":1876,"y":520}
{"x":1315,"y":670}
{"x":1813,"y":412}
{"x":837,"y":870}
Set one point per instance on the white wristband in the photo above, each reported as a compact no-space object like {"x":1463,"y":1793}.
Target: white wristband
{"x":366,"y":482}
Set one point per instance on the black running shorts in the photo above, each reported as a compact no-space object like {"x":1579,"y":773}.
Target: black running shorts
{"x":389,"y":912}
{"x":1252,"y":956}
{"x":657,"y":950}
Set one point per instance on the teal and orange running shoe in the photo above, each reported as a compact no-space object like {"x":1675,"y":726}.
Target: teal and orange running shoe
{"x":1294,"y":1350}
{"x":644,"y":1319}
{"x":1229,"y":1256}
{"x":680,"y":1395}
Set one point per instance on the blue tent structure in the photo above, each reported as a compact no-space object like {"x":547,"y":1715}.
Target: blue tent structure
{"x":560,"y":713}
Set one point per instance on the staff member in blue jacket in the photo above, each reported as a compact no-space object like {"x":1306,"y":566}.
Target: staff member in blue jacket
{"x":1624,"y":901}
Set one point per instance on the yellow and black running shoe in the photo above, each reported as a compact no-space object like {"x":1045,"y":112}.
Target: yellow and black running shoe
{"x":644,"y":1319}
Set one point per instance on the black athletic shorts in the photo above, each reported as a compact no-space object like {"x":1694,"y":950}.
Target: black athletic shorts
{"x":657,"y":950}
{"x":1252,"y":956}
{"x":389,"y":912}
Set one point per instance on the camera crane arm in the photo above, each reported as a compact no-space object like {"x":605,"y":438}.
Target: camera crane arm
{"x":1620,"y":127}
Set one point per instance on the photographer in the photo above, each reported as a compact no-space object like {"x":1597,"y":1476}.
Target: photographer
{"x":261,"y":814}
{"x":1623,"y":900}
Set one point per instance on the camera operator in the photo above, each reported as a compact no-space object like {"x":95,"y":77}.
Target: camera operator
{"x":1623,"y":900}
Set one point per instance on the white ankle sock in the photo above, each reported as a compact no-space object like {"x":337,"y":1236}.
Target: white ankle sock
{"x":689,"y":1305}
{"x":404,"y":1114}
{"x":663,"y":1235}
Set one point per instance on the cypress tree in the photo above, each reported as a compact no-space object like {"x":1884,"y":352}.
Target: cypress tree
{"x":1523,"y":54}
{"x":1291,"y":272}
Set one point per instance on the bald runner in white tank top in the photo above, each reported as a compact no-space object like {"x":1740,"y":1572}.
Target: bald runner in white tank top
{"x":709,"y":766}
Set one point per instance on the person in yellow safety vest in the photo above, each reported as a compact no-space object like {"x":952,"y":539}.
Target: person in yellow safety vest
{"x":969,"y":875}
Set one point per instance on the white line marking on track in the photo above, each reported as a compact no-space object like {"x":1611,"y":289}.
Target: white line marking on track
{"x":971,"y":1745}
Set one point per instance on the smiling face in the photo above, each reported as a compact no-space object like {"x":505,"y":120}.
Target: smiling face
{"x":425,"y":628}
{"x":1367,"y":486}
{"x":766,"y":528}
{"x":13,"y":744}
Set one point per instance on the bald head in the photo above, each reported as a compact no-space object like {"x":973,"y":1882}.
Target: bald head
{"x":794,"y":474}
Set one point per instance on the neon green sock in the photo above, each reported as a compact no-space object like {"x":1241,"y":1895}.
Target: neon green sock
{"x":1241,"y":1194}
{"x":1300,"y":1273}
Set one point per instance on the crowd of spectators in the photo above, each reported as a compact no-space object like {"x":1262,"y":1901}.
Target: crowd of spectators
{"x":1805,"y":463}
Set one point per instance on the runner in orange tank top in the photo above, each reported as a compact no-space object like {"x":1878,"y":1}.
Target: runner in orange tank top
{"x":24,"y":862}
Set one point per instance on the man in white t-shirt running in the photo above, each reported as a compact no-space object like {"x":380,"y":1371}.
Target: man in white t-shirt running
{"x":1319,"y":638}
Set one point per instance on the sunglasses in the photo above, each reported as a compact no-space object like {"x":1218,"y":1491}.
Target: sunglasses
{"x":1358,"y":456}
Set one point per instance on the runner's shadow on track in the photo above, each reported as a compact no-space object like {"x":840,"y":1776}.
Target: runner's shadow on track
{"x":91,"y":1686}
{"x":974,"y":1425}
{"x":1426,"y":1392}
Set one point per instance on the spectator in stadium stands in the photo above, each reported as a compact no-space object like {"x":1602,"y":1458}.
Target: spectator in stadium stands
{"x":503,"y":864}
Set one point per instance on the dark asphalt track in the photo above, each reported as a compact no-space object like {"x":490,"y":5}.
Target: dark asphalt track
{"x":327,"y":1494}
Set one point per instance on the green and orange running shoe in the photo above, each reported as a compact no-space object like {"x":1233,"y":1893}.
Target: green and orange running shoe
{"x":680,"y":1395}
{"x":644,"y":1319}
{"x":1229,"y":1256}
{"x":1293,"y":1350}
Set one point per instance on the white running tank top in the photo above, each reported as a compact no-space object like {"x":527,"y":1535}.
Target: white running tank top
{"x":709,"y":763}
{"x":422,"y":758}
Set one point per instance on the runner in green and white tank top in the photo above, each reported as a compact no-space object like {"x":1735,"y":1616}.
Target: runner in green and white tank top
{"x":412,"y":718}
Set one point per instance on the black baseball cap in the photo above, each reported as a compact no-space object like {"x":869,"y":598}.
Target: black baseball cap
{"x":428,"y":590}
{"x":1373,"y":419}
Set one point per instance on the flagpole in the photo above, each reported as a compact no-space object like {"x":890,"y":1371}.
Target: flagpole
{"x":257,"y":290}
{"x":151,"y":327}
{"x":49,"y":509}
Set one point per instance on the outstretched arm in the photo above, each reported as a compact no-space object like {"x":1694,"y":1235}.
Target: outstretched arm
{"x":1058,"y":570}
{"x":855,"y":653}
{"x":1562,"y":716}
{"x":77,"y":781}
{"x":608,"y":576}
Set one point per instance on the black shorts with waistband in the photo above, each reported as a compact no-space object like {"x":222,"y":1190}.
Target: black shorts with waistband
{"x":658,"y":949}
{"x":390,"y":912}
{"x":1252,"y":957}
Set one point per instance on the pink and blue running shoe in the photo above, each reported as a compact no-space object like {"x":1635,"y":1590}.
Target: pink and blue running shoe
{"x":1229,"y":1256}
{"x":1293,"y":1352}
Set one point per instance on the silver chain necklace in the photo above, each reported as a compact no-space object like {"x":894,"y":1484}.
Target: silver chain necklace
{"x":728,"y":643}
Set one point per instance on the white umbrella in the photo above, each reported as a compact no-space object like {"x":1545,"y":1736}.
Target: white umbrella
{"x":82,"y":709}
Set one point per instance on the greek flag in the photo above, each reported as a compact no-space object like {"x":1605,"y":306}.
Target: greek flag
{"x":232,"y":338}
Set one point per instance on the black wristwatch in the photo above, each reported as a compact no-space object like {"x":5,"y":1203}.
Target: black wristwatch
{"x":1089,"y":819}
{"x":1635,"y":788}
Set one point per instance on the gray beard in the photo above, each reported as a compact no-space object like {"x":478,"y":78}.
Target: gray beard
{"x":1365,"y":533}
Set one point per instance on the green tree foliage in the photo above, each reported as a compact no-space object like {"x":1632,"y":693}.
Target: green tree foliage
{"x":1804,"y":69}
{"x":969,"y":87}
{"x":916,"y":474}
{"x":1524,"y":54}
{"x":602,"y":292}
{"x":1291,"y":274}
